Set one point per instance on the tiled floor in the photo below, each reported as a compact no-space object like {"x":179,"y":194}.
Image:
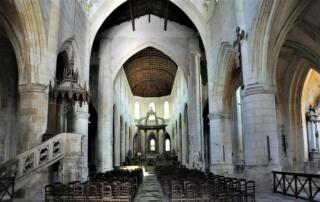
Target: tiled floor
{"x":150,"y":191}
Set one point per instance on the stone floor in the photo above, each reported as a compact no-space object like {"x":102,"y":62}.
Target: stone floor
{"x":151,"y":191}
{"x":271,"y":197}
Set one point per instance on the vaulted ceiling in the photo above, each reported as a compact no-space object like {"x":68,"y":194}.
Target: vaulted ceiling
{"x":150,"y":73}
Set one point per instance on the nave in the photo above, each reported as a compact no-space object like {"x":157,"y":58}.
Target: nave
{"x":159,"y":184}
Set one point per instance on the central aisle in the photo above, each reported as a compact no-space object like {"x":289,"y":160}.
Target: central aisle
{"x":150,"y":190}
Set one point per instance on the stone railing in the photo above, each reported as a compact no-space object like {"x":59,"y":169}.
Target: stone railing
{"x":41,"y":156}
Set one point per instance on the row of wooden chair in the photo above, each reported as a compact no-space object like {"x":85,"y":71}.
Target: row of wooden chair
{"x":100,"y":188}
{"x":191,"y":185}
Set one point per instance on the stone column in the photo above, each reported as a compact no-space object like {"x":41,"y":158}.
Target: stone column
{"x":105,"y":110}
{"x":61,"y":118}
{"x":122,"y":141}
{"x":220,"y":143}
{"x":317,"y":123}
{"x":146,"y":143}
{"x":127,"y":140}
{"x":32,"y":114}
{"x":194,"y":113}
{"x":261,"y":149}
{"x":311,"y":130}
{"x":116,"y":138}
{"x":158,"y":141}
{"x":161,"y":141}
{"x":79,"y":125}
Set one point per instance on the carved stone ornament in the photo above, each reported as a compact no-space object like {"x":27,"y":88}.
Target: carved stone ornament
{"x":69,"y":90}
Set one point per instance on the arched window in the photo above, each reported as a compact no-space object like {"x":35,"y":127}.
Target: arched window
{"x":152,"y":107}
{"x":137,"y":110}
{"x":166,"y":111}
{"x":167,"y":145}
{"x":152,"y":144}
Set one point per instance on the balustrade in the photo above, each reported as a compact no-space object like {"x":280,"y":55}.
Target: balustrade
{"x":300,"y":185}
{"x":45,"y":154}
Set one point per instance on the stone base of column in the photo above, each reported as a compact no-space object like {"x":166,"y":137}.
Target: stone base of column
{"x":262,"y":175}
{"x":69,"y":170}
{"x":102,"y":169}
{"x":84,"y":173}
{"x":222,"y":169}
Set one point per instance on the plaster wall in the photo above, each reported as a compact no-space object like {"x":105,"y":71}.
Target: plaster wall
{"x":125,"y":42}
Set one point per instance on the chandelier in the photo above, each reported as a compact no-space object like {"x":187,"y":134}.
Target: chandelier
{"x":69,"y":90}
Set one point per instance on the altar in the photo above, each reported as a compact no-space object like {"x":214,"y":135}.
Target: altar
{"x":149,"y":142}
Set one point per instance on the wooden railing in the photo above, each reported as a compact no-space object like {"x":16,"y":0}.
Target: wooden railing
{"x":28,"y":162}
{"x":299,"y":185}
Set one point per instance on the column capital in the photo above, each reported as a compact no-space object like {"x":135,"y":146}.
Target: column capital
{"x":33,"y":87}
{"x":218,"y":115}
{"x":258,"y":88}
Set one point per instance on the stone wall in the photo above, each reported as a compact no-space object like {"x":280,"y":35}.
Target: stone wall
{"x":9,"y":131}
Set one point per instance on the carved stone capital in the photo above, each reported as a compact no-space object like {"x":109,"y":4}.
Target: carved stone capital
{"x":34,"y":87}
{"x":258,"y":88}
{"x":218,"y":115}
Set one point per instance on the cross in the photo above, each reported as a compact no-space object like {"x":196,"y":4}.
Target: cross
{"x":240,"y":34}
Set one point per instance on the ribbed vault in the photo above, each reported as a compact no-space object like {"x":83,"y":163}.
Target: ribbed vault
{"x":150,"y":73}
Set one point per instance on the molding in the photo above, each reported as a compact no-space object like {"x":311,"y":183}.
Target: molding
{"x":34,"y":87}
{"x":80,"y":115}
{"x":218,"y":115}
{"x":258,"y":88}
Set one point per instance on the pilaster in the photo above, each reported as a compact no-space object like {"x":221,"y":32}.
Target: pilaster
{"x":195,"y":135}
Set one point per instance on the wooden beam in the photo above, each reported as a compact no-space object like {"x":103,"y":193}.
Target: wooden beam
{"x":149,"y":10}
{"x":131,"y":14}
{"x":166,"y":15}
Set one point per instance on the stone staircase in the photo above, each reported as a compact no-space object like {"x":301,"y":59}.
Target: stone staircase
{"x":25,"y":165}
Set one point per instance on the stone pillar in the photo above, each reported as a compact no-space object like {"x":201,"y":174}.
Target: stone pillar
{"x":195,"y":113}
{"x":317,"y":123}
{"x":69,"y":165}
{"x":261,"y":144}
{"x":161,"y":141}
{"x":185,"y":136}
{"x":311,"y":131}
{"x":32,"y":115}
{"x":61,"y":118}
{"x":146,"y":143}
{"x":127,"y":140}
{"x":105,"y":110}
{"x":79,"y":125}
{"x":122,"y":141}
{"x":220,"y":143}
{"x":116,"y":139}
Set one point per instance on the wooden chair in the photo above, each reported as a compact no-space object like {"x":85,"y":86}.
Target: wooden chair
{"x":176,"y":191}
{"x":125,"y":192}
{"x":250,"y":191}
{"x":49,"y":193}
{"x":78,"y":193}
{"x":91,"y":191}
{"x":106,"y":192}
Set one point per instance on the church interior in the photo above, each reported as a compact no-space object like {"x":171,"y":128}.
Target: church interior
{"x":159,"y":100}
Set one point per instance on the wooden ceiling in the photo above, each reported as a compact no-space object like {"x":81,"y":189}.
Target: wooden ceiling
{"x":150,"y":73}
{"x":132,"y":9}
